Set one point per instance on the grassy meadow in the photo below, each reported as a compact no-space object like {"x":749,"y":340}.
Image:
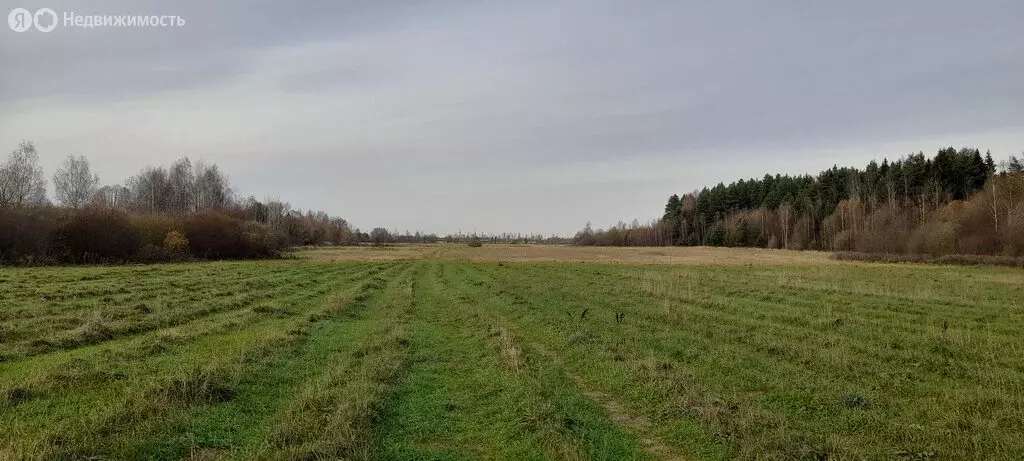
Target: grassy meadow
{"x":507,"y":352}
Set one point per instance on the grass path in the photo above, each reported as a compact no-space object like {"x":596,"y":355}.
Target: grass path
{"x":639,"y":426}
{"x":473,"y":392}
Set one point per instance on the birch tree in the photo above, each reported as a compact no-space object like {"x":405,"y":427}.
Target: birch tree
{"x":21,"y":178}
{"x":74,"y":182}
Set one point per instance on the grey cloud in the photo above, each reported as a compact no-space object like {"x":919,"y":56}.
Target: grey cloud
{"x":215,"y":44}
{"x":320,"y":102}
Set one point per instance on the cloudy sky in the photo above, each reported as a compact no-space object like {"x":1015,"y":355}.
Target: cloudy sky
{"x":522,"y":116}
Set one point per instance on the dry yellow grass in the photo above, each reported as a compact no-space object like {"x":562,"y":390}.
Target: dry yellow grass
{"x":614,"y":255}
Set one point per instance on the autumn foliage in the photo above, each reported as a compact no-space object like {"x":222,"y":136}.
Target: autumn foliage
{"x":954,"y":203}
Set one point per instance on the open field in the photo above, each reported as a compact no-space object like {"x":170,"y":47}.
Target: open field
{"x":443,"y":353}
{"x":564,"y":253}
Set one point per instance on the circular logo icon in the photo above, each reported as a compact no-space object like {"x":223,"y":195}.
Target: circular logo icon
{"x":42,"y":24}
{"x":20,"y":19}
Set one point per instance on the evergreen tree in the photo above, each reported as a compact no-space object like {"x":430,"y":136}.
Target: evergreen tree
{"x":672,"y":208}
{"x":990,"y":165}
{"x":916,"y":180}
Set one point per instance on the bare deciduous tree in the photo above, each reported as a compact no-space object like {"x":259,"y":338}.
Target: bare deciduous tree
{"x":211,"y":187}
{"x":183,"y":189}
{"x":277,"y":212}
{"x":115,"y":196}
{"x":994,"y":202}
{"x":380,"y":236}
{"x":74,"y":182}
{"x":21,"y":178}
{"x":150,"y":191}
{"x":785,"y":212}
{"x":182,"y":185}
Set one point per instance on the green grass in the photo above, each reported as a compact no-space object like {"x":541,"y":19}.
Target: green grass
{"x":453,"y":360}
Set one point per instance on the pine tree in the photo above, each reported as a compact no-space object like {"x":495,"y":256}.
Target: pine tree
{"x":990,"y":165}
{"x":672,"y":208}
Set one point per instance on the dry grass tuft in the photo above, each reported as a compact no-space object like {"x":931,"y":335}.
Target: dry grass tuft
{"x":195,"y":387}
{"x":94,"y":329}
{"x":208,"y":454}
{"x":511,"y":354}
{"x":274,"y":309}
{"x":173,"y":336}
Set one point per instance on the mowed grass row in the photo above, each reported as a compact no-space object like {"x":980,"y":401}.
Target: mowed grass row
{"x":101,"y":304}
{"x":383,"y":361}
{"x":782,"y":362}
{"x":115,"y":400}
{"x":459,"y":360}
{"x":474,"y":391}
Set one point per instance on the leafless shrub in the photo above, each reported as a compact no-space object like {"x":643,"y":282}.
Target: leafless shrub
{"x":954,"y":259}
{"x":28,"y":235}
{"x":934,"y":238}
{"x":101,"y":235}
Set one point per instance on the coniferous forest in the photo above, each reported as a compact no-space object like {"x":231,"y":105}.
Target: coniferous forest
{"x":958,"y":201}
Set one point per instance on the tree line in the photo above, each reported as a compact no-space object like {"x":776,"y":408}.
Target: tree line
{"x":167,"y":213}
{"x":185,"y":210}
{"x":382,"y":236}
{"x":958,"y":201}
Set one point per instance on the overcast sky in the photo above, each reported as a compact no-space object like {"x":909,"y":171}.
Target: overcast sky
{"x":521,"y":116}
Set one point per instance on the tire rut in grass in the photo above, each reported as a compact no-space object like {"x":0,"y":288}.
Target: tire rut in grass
{"x":571,"y":421}
{"x":617,"y":412}
{"x":642,"y":428}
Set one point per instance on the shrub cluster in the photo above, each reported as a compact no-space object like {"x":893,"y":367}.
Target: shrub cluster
{"x":954,"y":259}
{"x":46,"y":235}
